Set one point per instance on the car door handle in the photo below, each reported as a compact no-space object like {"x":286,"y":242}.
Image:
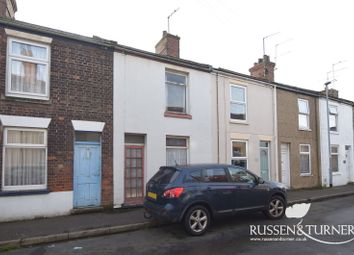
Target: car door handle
{"x":208,"y":189}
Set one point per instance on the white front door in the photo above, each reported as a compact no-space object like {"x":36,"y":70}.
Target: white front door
{"x":285,"y":165}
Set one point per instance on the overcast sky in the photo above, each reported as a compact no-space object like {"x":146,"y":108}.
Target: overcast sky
{"x":312,"y":35}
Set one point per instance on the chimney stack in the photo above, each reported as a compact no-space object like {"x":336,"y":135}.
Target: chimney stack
{"x":168,"y":45}
{"x":331,"y":93}
{"x":8,"y":8}
{"x":264,"y":69}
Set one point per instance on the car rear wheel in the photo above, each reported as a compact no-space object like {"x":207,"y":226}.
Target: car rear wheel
{"x":197,"y":220}
{"x":276,"y":208}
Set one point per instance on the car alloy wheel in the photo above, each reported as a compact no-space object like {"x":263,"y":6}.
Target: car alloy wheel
{"x":197,"y":220}
{"x":276,"y":208}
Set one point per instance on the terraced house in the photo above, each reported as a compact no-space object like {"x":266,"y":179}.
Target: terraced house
{"x":56,"y":114}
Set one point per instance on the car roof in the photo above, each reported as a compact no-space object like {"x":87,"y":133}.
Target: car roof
{"x":200,"y":166}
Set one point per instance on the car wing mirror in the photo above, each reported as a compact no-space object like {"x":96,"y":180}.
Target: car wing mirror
{"x":260,"y":180}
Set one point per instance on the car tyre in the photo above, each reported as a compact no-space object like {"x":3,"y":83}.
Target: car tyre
{"x":275,"y":208}
{"x":197,"y":220}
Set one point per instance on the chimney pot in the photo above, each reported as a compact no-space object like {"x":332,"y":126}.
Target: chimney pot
{"x":264,"y":69}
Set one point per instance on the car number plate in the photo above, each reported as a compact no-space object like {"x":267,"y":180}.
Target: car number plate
{"x":152,"y":195}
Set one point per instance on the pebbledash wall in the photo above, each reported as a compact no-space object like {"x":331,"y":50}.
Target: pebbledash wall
{"x":140,"y":109}
{"x":341,"y":139}
{"x":81,"y":88}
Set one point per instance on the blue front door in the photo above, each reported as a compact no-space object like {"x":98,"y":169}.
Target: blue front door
{"x":87,"y":174}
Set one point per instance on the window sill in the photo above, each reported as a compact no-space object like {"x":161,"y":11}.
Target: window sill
{"x":336,"y":173}
{"x":305,"y":129}
{"x":23,"y":193}
{"x":241,"y":122}
{"x":177,"y":115}
{"x":334,"y":132}
{"x":26,"y":99}
{"x":306,"y":175}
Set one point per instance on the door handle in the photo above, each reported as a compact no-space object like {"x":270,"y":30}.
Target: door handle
{"x":208,"y":189}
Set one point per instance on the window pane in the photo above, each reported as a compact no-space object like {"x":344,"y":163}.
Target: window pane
{"x":25,"y":137}
{"x":28,"y":77}
{"x":176,"y":156}
{"x":334,"y":149}
{"x":239,"y":162}
{"x":303,"y":121}
{"x":214,"y":175}
{"x":263,"y":144}
{"x":24,"y":166}
{"x":194,"y":176}
{"x":238,"y":94}
{"x":87,"y":137}
{"x":237,"y":111}
{"x":304,"y":148}
{"x":241,"y":176}
{"x":23,"y":49}
{"x":333,"y":122}
{"x":303,"y":106}
{"x":239,"y":149}
{"x":333,"y":109}
{"x":305,"y":164}
{"x":334,"y":161}
{"x":176,"y":97}
{"x":177,"y":142}
{"x":176,"y":78}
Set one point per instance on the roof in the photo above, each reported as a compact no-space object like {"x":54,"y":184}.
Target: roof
{"x":198,"y":166}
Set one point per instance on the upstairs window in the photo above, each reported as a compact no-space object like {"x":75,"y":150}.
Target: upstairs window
{"x":333,"y":118}
{"x":176,"y":84}
{"x":238,"y":107}
{"x":304,"y":114}
{"x":27,"y":69}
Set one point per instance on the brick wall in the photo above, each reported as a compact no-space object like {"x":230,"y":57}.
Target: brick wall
{"x":81,"y":88}
{"x":288,"y":132}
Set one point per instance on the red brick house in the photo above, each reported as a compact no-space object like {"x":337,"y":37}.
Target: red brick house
{"x":56,"y":117}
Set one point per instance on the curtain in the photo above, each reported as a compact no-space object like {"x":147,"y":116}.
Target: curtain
{"x":176,"y":156}
{"x":24,"y":165}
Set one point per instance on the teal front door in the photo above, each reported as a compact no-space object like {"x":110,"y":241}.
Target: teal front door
{"x":264,"y":160}
{"x":87,"y":174}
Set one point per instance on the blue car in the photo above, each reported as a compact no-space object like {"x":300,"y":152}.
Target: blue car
{"x":195,"y":194}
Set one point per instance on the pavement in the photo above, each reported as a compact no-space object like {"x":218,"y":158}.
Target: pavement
{"x":48,"y":230}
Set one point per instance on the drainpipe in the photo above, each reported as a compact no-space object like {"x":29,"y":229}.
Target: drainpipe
{"x":217,"y":116}
{"x":275,"y":127}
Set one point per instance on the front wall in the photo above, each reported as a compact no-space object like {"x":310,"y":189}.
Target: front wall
{"x":343,"y":137}
{"x":258,"y":127}
{"x":139,"y":106}
{"x":80,"y":89}
{"x":288,"y":132}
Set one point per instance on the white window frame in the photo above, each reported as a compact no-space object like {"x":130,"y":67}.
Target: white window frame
{"x":34,"y":146}
{"x":238,"y":102}
{"x":305,"y":153}
{"x":11,"y":57}
{"x":304,"y":114}
{"x":239,"y":158}
{"x":335,"y":116}
{"x":337,"y":154}
{"x":178,"y":147}
{"x":186,"y":96}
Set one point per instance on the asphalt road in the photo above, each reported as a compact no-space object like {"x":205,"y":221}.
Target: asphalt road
{"x":227,"y":236}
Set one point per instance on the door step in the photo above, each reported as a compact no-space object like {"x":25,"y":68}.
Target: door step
{"x":86,"y":210}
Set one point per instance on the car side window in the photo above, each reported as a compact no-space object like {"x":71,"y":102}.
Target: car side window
{"x":193,"y":176}
{"x":214,"y":175}
{"x":241,"y":176}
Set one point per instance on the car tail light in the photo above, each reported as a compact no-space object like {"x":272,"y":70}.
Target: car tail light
{"x":173,"y":193}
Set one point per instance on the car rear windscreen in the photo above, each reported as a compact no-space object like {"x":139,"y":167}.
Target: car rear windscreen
{"x":166,"y":175}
